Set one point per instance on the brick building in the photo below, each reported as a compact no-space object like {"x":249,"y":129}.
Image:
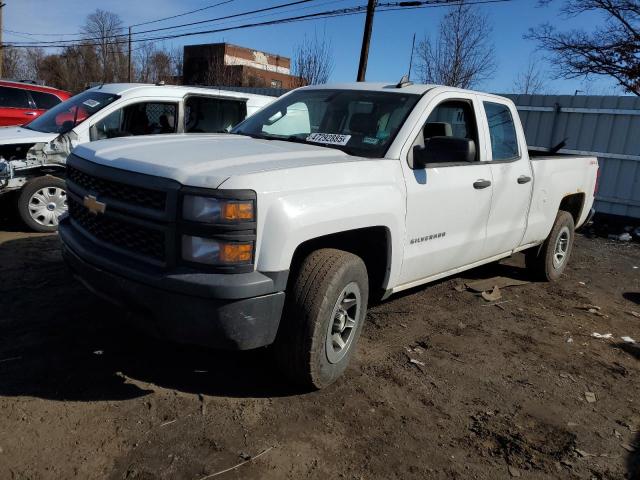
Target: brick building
{"x":226,"y":64}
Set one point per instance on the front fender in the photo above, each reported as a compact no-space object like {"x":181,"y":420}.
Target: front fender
{"x":308,"y":203}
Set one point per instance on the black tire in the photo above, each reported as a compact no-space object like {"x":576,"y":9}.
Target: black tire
{"x":302,"y":348}
{"x":41,"y":224}
{"x":541,"y":260}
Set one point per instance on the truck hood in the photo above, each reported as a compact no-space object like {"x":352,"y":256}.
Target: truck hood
{"x":205,"y":160}
{"x":15,"y":135}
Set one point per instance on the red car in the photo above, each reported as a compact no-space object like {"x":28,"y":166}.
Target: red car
{"x":22,"y":102}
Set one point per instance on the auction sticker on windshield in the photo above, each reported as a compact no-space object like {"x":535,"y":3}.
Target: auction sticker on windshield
{"x":91,"y":103}
{"x":329,"y":138}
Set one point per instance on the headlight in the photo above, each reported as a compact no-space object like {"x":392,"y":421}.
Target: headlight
{"x":217,"y":210}
{"x":216,"y":252}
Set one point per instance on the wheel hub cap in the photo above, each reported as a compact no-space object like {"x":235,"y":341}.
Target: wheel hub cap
{"x":47,"y":204}
{"x":343,"y":326}
{"x":562,"y":247}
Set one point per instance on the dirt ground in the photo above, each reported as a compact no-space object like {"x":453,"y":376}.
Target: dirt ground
{"x":499,"y":393}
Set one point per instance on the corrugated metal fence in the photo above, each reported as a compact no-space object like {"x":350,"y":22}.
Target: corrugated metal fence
{"x":605,"y":127}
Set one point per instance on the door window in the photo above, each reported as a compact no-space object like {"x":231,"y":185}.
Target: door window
{"x":44,"y":101}
{"x":13,"y":98}
{"x":502,"y":130}
{"x":213,"y":115}
{"x":453,"y":118}
{"x":138,"y":119}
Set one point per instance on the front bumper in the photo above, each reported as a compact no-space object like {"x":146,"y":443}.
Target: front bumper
{"x":229,"y":311}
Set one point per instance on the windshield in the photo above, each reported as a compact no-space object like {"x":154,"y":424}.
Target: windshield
{"x":66,"y":115}
{"x":359,"y":122}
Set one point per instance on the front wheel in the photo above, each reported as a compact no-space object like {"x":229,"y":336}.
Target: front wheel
{"x":325,"y":310}
{"x":549,"y":261}
{"x":41,"y":201}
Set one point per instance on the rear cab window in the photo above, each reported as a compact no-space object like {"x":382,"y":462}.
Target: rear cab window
{"x":502,"y":132}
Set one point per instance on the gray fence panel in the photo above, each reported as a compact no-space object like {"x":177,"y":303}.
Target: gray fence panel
{"x":604,"y":126}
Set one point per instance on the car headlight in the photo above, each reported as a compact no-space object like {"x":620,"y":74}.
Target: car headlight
{"x":217,"y":210}
{"x":216,"y":252}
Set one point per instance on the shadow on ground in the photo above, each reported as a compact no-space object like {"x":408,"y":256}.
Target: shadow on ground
{"x":632,"y":297}
{"x":9,"y":218}
{"x":60,"y":342}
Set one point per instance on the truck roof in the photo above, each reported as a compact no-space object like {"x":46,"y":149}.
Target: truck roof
{"x":144,"y":89}
{"x":412,"y":88}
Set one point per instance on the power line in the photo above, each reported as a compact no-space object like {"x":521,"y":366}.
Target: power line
{"x":386,"y":7}
{"x":121,"y":28}
{"x":172,"y":27}
{"x":182,"y":14}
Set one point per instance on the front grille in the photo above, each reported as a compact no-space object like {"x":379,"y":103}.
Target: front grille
{"x":141,"y":197}
{"x":127,"y":236}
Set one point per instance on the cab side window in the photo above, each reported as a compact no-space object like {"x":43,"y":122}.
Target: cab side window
{"x":213,"y":115}
{"x":453,"y":118}
{"x":502,"y":130}
{"x":449,"y":136}
{"x":13,"y":98}
{"x":138,"y":119}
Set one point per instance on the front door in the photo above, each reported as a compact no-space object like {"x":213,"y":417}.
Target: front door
{"x":447,"y":204}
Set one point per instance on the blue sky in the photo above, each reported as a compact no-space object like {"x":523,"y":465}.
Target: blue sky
{"x":391,"y":41}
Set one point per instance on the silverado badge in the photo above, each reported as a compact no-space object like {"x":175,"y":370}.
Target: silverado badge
{"x":93,"y":205}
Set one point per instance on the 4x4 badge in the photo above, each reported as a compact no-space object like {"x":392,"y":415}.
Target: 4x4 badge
{"x":93,"y":205}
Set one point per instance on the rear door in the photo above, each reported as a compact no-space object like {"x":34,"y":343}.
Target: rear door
{"x":15,"y":107}
{"x":447,"y":204}
{"x":512,"y":177}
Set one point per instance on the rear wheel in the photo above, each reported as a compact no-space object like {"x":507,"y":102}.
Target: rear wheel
{"x":549,"y":261}
{"x":325,"y":310}
{"x":41,"y":201}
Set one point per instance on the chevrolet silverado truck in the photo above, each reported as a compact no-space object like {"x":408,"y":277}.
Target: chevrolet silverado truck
{"x":281,"y":232}
{"x":33,"y":156}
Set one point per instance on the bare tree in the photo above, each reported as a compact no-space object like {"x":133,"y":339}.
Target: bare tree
{"x":102,"y":29}
{"x":612,"y":49}
{"x":72,"y":69}
{"x":531,"y":81}
{"x":461,"y":55}
{"x":313,"y":61}
{"x":22,"y":63}
{"x":177,"y":61}
{"x":142,"y":62}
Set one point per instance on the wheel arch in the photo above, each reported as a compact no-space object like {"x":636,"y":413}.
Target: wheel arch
{"x":573,"y":204}
{"x":372,"y":244}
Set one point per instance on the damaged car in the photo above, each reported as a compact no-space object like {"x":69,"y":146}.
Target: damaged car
{"x":33,"y":156}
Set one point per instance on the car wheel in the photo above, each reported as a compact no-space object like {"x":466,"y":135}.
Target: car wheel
{"x":325,"y":310}
{"x":549,"y":261}
{"x":41,"y":202}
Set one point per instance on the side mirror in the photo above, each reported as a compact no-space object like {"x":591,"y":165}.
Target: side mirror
{"x":444,"y":150}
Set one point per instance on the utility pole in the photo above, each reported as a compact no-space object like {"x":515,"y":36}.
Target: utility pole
{"x":366,"y":39}
{"x":130,"y":66}
{"x":2,"y":4}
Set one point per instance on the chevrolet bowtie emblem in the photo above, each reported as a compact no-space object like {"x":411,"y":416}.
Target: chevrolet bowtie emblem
{"x":93,"y":205}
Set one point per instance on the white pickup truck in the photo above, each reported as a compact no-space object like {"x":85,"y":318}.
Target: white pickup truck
{"x":33,"y":156}
{"x":282,"y":231}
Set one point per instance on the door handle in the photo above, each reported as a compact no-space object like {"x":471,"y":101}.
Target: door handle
{"x":522,"y":179}
{"x":30,"y":114}
{"x":480,"y":184}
